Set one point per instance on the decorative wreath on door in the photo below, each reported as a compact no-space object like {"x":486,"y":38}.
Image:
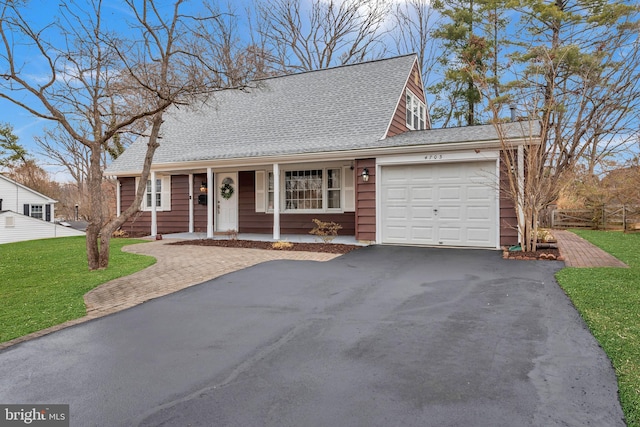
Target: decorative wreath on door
{"x":226,"y":191}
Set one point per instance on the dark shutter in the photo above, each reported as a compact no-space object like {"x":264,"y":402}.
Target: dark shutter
{"x":25,"y":208}
{"x":47,"y":213}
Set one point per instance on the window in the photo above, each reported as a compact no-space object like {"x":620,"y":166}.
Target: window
{"x":305,"y":190}
{"x":416,"y":112}
{"x":333,"y":188}
{"x":9,"y":222}
{"x":148,"y":195}
{"x":36,"y":211}
{"x":162,"y":197}
{"x":270,"y":192}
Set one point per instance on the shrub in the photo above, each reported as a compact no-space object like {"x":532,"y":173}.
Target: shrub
{"x":120,"y":234}
{"x":327,"y":231}
{"x":281,"y":245}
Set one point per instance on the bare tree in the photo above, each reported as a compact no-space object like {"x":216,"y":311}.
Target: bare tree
{"x":100,"y":82}
{"x":63,"y":150}
{"x":576,"y":73}
{"x":414,"y":21}
{"x":529,"y":183}
{"x":581,"y":63}
{"x":329,"y":33}
{"x":232,"y":53}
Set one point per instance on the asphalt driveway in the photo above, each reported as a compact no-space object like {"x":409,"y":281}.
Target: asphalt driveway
{"x":383,"y":336}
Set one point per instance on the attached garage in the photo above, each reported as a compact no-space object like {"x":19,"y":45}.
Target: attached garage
{"x":439,"y":204}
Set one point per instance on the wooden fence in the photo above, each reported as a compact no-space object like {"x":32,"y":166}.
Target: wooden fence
{"x":608,"y":217}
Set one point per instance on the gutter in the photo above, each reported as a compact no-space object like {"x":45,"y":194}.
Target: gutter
{"x":324,"y":156}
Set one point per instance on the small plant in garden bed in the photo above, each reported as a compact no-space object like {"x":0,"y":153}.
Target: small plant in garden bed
{"x":327,"y":231}
{"x":551,"y":254}
{"x":120,"y":234}
{"x":282,"y":245}
{"x":547,"y":248}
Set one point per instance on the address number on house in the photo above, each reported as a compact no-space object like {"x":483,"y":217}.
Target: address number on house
{"x":433,"y":157}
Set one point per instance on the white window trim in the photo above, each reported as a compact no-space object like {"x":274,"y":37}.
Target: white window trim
{"x":42,"y":210}
{"x":165,"y":195}
{"x":409,"y":111}
{"x":346,"y":191}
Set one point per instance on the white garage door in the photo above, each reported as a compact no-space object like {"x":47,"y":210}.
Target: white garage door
{"x":439,"y":204}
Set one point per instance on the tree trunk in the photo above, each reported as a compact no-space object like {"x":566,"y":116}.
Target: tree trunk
{"x":105,"y":239}
{"x":94,"y":228}
{"x":92,"y":247}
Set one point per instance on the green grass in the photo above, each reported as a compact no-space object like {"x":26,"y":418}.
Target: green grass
{"x":608,"y":299}
{"x":42,"y":282}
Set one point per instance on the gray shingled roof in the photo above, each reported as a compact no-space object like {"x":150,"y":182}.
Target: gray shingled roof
{"x":340,"y":108}
{"x":480,"y":133}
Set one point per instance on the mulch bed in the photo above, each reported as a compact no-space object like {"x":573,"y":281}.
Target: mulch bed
{"x":542,"y":254}
{"x":551,"y":254}
{"x":332,"y":248}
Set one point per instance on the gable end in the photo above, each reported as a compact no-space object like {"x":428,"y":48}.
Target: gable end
{"x":414,"y":84}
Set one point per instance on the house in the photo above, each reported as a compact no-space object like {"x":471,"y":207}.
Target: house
{"x":26,"y":214}
{"x":350,"y":144}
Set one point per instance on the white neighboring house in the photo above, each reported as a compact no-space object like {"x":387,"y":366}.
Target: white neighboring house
{"x":26,"y":214}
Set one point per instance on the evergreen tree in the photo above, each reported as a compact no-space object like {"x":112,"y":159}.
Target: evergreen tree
{"x":471,"y":36}
{"x":11,"y":152}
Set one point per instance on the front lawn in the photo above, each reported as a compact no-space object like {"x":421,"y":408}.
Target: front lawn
{"x":609,"y":301}
{"x":42,"y":282}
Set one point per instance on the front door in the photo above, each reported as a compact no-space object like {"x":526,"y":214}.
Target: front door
{"x":227,"y":201}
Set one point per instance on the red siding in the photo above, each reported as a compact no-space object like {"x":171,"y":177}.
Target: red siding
{"x":140,"y":223}
{"x":174,"y":221}
{"x":199,"y":211}
{"x":366,"y":201}
{"x":251,"y":221}
{"x":508,"y":215}
{"x":362,"y":223}
{"x":399,"y":121}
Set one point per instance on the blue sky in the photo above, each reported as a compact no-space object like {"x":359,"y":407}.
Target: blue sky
{"x":40,"y":13}
{"x":26,"y":126}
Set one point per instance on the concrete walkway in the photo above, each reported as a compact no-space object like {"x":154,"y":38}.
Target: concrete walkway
{"x":578,"y":252}
{"x":179,"y":267}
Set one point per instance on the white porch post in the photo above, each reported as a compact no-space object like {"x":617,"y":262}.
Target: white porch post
{"x":210,"y":202}
{"x":276,"y":201}
{"x":154,"y":211}
{"x":190,"y":203}
{"x":520,"y":192}
{"x":118,"y":200}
